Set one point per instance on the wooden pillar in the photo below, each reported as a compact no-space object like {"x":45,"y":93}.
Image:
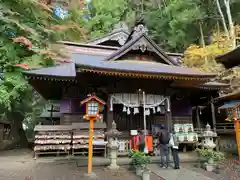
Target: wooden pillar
{"x":109,"y":114}
{"x":198,"y":118}
{"x":213,"y":115}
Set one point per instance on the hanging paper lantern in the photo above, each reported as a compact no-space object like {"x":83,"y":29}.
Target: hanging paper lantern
{"x":154,"y":111}
{"x":128,"y":111}
{"x":124,"y":109}
{"x":147,"y":112}
{"x":135,"y":110}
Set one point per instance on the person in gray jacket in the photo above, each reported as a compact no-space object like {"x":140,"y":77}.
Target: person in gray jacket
{"x":174,"y":148}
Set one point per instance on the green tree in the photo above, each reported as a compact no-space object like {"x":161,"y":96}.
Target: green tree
{"x":104,"y":14}
{"x":175,"y":24}
{"x":27,"y":31}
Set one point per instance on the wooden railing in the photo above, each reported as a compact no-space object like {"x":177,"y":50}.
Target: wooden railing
{"x":222,"y":128}
{"x":225,"y":127}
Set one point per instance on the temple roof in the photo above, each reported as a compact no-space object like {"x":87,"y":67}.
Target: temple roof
{"x":214,"y":85}
{"x":121,"y":61}
{"x":140,"y":67}
{"x":230,"y":96}
{"x":66,"y":70}
{"x":230,"y":59}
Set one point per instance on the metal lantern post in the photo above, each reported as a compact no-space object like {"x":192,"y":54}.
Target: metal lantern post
{"x":144,"y":120}
{"x":92,"y":104}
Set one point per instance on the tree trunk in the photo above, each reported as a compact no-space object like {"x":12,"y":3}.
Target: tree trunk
{"x":17,"y":134}
{"x":203,"y":44}
{"x":223,"y":19}
{"x":230,"y":23}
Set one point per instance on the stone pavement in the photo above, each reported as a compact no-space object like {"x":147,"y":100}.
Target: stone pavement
{"x":181,"y":174}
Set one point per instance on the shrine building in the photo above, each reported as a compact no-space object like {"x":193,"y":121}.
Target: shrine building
{"x":118,"y":68}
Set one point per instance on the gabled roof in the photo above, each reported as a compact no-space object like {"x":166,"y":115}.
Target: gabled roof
{"x":230,"y":59}
{"x":92,"y":46}
{"x":100,"y":52}
{"x":120,"y":36}
{"x":92,"y":97}
{"x":102,"y":59}
{"x":230,"y":96}
{"x":214,"y":85}
{"x":66,"y":70}
{"x":142,"y":42}
{"x":230,"y":104}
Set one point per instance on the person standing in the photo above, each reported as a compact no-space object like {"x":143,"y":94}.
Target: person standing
{"x":164,"y":138}
{"x":141,"y":141}
{"x":174,"y":148}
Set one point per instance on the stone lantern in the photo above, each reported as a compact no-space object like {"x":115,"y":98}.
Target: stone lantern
{"x":207,"y":138}
{"x":113,"y":145}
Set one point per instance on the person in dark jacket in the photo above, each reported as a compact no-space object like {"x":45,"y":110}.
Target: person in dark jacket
{"x":164,"y":138}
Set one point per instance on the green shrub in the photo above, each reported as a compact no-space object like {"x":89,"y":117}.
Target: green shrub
{"x":139,"y":159}
{"x":210,"y":154}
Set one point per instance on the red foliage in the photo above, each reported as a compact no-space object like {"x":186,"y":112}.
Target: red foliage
{"x":23,"y":40}
{"x":27,"y":67}
{"x":24,"y":66}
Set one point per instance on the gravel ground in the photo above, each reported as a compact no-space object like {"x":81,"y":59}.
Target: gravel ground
{"x":19,"y":165}
{"x":229,"y":170}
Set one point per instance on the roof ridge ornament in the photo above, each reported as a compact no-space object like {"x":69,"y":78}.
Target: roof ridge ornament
{"x":139,"y":29}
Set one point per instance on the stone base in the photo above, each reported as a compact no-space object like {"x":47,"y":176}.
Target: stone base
{"x":146,"y":175}
{"x":90,"y":176}
{"x":209,"y":167}
{"x":113,"y":167}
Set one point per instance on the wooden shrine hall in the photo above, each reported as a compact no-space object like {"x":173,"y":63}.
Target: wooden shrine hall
{"x":228,"y":103}
{"x":116,"y":67}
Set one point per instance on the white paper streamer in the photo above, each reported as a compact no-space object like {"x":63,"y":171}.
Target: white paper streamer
{"x":135,"y":106}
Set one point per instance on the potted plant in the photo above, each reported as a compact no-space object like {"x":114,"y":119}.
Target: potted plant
{"x":139,"y":161}
{"x":211,"y":157}
{"x":146,"y":173}
{"x":218,"y":157}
